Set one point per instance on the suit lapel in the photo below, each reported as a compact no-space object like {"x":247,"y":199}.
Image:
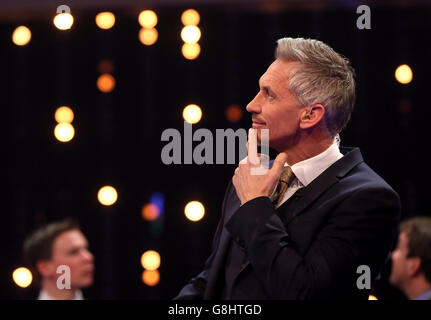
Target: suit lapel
{"x":307,"y":195}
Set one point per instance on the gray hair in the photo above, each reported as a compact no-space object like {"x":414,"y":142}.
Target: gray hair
{"x":320,"y":75}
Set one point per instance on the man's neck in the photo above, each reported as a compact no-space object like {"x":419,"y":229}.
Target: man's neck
{"x":416,"y":287}
{"x":51,"y":289}
{"x":307,"y":148}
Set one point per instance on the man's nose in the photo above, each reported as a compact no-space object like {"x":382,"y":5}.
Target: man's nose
{"x":254,"y":105}
{"x":87,"y":255}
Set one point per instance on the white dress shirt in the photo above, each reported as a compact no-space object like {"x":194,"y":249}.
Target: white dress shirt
{"x":309,"y":169}
{"x":43,"y":295}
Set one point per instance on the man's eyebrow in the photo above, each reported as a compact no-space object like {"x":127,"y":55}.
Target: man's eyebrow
{"x":265,"y":87}
{"x":268,"y":89}
{"x":77,"y":247}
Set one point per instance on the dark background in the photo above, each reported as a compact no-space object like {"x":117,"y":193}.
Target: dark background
{"x":117,"y":138}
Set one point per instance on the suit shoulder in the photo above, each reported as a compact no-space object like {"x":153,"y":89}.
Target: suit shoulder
{"x":365,"y":177}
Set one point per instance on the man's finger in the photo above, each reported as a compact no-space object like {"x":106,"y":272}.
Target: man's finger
{"x":279,"y":162}
{"x":252,"y":146}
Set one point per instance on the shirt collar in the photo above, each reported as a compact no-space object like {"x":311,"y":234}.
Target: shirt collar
{"x":424,"y":296}
{"x":43,"y":295}
{"x":309,"y":169}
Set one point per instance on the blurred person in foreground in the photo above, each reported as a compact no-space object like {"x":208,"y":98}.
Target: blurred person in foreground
{"x":60,"y":244}
{"x":302,"y":229}
{"x":411,"y":260}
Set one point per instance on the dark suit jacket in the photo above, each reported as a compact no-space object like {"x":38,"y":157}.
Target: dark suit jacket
{"x":346,"y":217}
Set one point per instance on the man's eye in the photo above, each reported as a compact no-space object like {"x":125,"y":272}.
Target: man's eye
{"x":269,"y":94}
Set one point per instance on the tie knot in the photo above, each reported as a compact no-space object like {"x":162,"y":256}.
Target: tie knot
{"x":286,"y":175}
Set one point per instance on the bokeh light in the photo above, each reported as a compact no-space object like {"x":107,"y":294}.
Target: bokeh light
{"x":105,"y":20}
{"x":190,"y":17}
{"x":404,"y":74}
{"x":150,"y":260}
{"x":190,"y":34}
{"x":64,"y":132}
{"x":191,"y":50}
{"x":151,"y":277}
{"x":371,"y":297}
{"x":22,"y":277}
{"x":107,"y":195}
{"x":234,"y":113}
{"x":63,"y":21}
{"x":64,"y":115}
{"x":147,"y":19}
{"x":148,"y":36}
{"x":21,"y":36}
{"x":106,"y":83}
{"x":150,"y":212}
{"x":192,"y":113}
{"x":158,"y":199}
{"x":194,"y":210}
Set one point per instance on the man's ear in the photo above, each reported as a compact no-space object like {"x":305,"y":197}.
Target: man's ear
{"x":311,"y":115}
{"x":413,"y":266}
{"x":46,"y":268}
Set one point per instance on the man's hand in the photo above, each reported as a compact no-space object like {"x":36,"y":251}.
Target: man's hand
{"x":249,"y":186}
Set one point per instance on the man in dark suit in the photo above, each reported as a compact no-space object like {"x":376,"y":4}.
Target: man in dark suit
{"x":304,"y":228}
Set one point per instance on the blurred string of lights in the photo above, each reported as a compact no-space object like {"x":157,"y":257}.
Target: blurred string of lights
{"x":153,"y":212}
{"x":148,"y":34}
{"x":108,"y":195}
{"x":150,"y":261}
{"x":190,"y":34}
{"x":148,"y":19}
{"x":406,"y":131}
{"x":64,"y":130}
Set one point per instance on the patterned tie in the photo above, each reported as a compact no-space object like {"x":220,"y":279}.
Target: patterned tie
{"x":286,"y":178}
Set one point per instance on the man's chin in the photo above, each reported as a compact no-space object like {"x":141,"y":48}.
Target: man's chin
{"x":393,"y":281}
{"x":85,"y":283}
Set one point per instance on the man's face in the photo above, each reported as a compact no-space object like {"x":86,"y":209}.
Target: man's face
{"x":400,"y":261}
{"x":71,"y":249}
{"x":275,"y":107}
